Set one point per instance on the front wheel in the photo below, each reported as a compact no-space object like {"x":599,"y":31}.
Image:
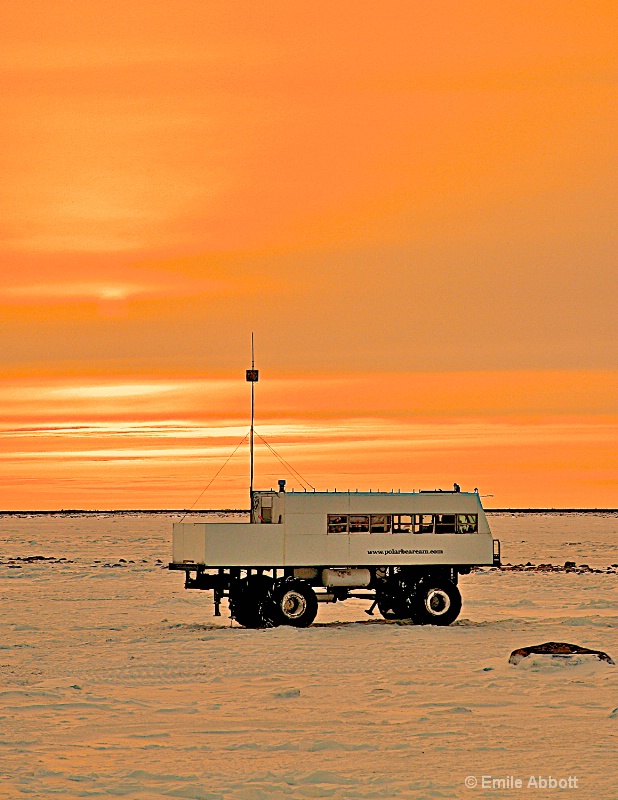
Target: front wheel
{"x":436,"y":601}
{"x":394,"y":605}
{"x":395,"y":598}
{"x":293,"y":602}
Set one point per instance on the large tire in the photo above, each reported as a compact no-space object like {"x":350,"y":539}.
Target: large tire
{"x":293,"y":602}
{"x":392,"y":606}
{"x":436,"y":601}
{"x":395,"y":599}
{"x":250,"y":601}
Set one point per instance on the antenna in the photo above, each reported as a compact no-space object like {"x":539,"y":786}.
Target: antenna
{"x":253,"y":376}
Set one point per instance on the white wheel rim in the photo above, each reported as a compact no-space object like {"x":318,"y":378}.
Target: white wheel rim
{"x":293,"y":604}
{"x":437,"y":602}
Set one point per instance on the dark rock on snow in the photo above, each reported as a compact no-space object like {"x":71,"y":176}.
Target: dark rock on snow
{"x":557,"y":649}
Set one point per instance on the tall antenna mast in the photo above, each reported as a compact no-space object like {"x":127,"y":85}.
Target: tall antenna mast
{"x":252,"y":377}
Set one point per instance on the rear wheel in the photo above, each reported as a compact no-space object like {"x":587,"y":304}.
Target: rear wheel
{"x":293,"y":602}
{"x":250,"y":601}
{"x":436,"y":601}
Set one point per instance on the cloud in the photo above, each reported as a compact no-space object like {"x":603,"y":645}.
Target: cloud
{"x":119,"y":390}
{"x":79,"y":291}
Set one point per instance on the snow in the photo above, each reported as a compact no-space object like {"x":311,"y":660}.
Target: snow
{"x":118,"y":682}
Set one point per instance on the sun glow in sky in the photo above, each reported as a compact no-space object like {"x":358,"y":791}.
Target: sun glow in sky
{"x":411,"y":204}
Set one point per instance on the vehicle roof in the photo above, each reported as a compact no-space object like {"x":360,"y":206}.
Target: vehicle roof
{"x":430,"y":502}
{"x":370,"y":493}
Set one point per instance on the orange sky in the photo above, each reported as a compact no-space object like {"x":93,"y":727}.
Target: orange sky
{"x":412,"y":205}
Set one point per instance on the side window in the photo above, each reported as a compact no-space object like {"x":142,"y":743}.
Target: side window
{"x":467,"y":523}
{"x":423,"y":523}
{"x":403,"y":523}
{"x":445,"y":523}
{"x":359,"y":523}
{"x":267,"y":509}
{"x":380,"y":523}
{"x":337,"y":523}
{"x":397,"y":523}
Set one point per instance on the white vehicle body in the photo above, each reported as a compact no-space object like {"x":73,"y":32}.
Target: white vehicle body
{"x":404,"y":551}
{"x":292,"y":530}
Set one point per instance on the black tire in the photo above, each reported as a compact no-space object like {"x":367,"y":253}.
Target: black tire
{"x":250,"y":601}
{"x":392,"y":607}
{"x":436,"y":601}
{"x":293,"y":602}
{"x":395,"y":599}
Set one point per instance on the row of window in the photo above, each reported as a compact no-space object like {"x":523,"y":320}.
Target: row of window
{"x":402,"y":523}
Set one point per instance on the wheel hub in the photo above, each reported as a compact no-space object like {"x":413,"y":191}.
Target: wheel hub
{"x":437,"y":602}
{"x":293,"y":605}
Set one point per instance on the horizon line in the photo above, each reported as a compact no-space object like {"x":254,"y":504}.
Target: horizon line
{"x":83,"y":511}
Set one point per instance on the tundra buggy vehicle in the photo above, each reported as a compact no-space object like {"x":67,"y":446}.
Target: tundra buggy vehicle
{"x":403,"y":551}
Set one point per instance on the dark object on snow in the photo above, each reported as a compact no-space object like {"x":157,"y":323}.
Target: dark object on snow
{"x":557,"y":649}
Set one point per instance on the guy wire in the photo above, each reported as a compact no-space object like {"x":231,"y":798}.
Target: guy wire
{"x":294,"y":472}
{"x":229,"y":458}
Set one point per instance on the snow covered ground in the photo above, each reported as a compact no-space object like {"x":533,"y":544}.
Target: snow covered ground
{"x":116,"y":682}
